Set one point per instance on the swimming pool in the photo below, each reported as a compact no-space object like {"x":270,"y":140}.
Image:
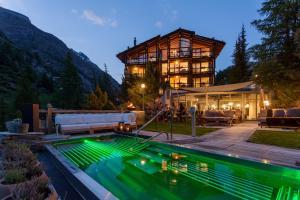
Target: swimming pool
{"x":133,"y":169}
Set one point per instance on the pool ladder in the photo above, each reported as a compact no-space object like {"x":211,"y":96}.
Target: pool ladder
{"x":148,"y":122}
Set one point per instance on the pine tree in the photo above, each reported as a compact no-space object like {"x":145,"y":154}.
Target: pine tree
{"x":278,"y":67}
{"x":152,"y":81}
{"x":240,"y":68}
{"x":71,"y":93}
{"x":98,"y":100}
{"x":26,"y":91}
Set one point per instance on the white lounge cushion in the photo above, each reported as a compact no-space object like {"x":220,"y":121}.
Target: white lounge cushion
{"x":75,"y":127}
{"x":69,"y":119}
{"x":71,"y":122}
{"x":102,"y":125}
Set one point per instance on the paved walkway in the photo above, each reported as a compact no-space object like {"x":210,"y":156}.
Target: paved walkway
{"x":232,"y":141}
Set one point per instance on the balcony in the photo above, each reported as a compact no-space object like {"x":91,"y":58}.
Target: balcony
{"x":202,"y":70}
{"x":187,"y":52}
{"x":179,"y":70}
{"x":136,"y":61}
{"x":200,"y":53}
{"x":180,"y":52}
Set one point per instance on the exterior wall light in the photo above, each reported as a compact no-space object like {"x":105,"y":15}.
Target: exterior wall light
{"x":266,"y":103}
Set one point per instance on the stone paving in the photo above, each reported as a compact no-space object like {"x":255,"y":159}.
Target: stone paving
{"x":232,"y":141}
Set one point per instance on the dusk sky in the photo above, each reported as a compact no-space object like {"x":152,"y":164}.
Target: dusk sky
{"x":101,"y":29}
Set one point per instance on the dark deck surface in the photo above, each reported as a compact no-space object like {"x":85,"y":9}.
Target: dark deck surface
{"x":61,"y":185}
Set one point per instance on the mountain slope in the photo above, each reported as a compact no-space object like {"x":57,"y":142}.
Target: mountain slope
{"x":49,"y":51}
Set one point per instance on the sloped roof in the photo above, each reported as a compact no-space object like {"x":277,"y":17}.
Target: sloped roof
{"x":245,"y":86}
{"x":159,"y":37}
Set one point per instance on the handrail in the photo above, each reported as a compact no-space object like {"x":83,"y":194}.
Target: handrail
{"x":154,"y":136}
{"x":147,"y":123}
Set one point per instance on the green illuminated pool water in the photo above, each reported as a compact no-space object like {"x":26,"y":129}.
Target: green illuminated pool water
{"x":131,"y":169}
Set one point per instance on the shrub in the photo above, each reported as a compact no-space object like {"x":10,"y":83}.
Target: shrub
{"x":18,"y":156}
{"x":36,"y":189}
{"x":13,"y":176}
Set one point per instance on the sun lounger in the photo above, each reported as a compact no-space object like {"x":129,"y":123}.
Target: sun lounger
{"x":216,"y":117}
{"x":90,"y":122}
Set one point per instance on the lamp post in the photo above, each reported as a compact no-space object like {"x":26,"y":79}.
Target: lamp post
{"x":143,"y":86}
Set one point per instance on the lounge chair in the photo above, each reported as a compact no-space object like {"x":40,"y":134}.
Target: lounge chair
{"x":91,"y":122}
{"x":289,"y":118}
{"x":216,"y":117}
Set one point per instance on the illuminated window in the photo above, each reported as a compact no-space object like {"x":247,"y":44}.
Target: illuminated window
{"x":164,"y":54}
{"x":205,"y":67}
{"x":200,"y":82}
{"x":196,"y":68}
{"x":164,"y":68}
{"x":204,"y":81}
{"x":184,"y":66}
{"x":178,"y":81}
{"x":138,"y":71}
{"x":196,"y":82}
{"x":179,"y":67}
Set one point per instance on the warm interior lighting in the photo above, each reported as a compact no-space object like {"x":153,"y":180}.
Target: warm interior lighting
{"x":238,"y":105}
{"x":265,"y":161}
{"x":175,"y":156}
{"x":164,"y":165}
{"x":247,"y":105}
{"x":230,"y":104}
{"x":266,"y":103}
{"x":143,"y":85}
{"x":176,"y":62}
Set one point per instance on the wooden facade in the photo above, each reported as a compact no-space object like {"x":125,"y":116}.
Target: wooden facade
{"x":183,"y":58}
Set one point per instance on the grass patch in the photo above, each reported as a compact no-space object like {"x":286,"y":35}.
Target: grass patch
{"x":288,"y":139}
{"x":183,"y":128}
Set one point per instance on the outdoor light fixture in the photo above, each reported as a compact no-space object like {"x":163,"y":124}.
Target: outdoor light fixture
{"x":143,"y":162}
{"x":238,"y":105}
{"x":164,"y":165}
{"x":247,"y":105}
{"x":127,"y":127}
{"x":176,"y":62}
{"x":121,"y":126}
{"x":230,"y":103}
{"x":213,"y":106}
{"x":266,"y":103}
{"x":143,"y":86}
{"x":161,"y":91}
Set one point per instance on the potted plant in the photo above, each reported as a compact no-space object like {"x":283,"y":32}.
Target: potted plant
{"x":22,"y":174}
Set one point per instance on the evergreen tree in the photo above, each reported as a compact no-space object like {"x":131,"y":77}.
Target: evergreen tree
{"x":26,"y":91}
{"x":104,"y":81}
{"x":71,"y":91}
{"x":278,"y":67}
{"x":240,"y":69}
{"x":152,"y":81}
{"x":98,"y":100}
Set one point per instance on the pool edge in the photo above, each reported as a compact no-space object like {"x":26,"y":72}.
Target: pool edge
{"x":87,"y":183}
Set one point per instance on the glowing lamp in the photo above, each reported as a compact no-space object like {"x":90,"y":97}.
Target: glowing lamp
{"x":164,"y":165}
{"x":266,"y":103}
{"x":121,"y":126}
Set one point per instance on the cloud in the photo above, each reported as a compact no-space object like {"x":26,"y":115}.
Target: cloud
{"x":89,"y":15}
{"x":158,"y":24}
{"x":92,"y":17}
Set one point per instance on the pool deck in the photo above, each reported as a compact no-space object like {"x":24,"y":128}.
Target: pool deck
{"x":232,"y":141}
